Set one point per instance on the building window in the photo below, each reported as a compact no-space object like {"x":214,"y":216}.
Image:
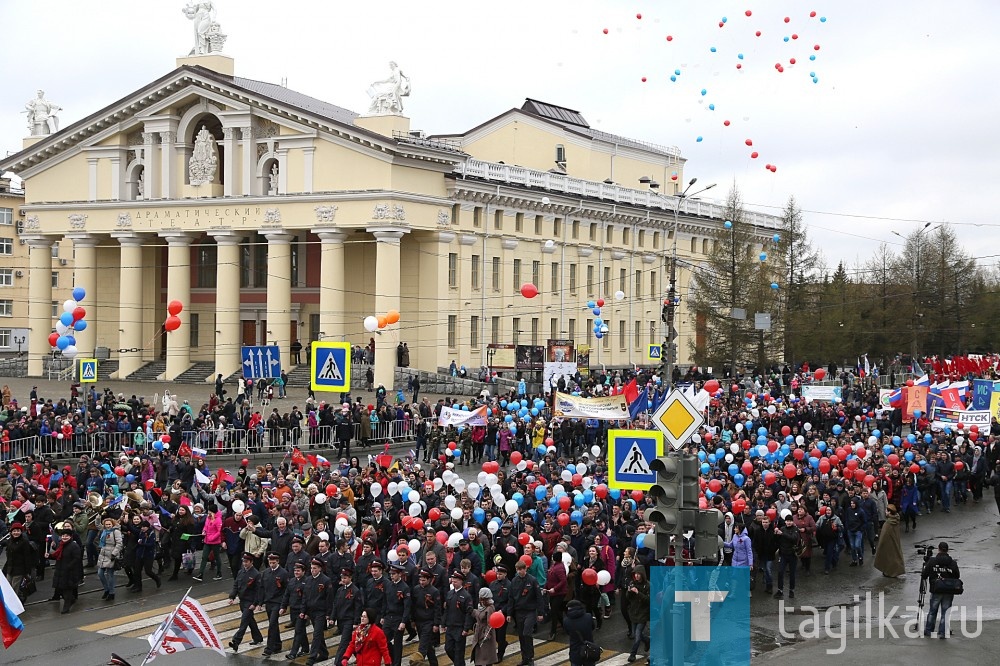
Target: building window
{"x":6,"y":277}
{"x":496,"y":274}
{"x":314,"y":330}
{"x":560,"y":153}
{"x":642,"y":238}
{"x":6,"y":216}
{"x":498,"y":220}
{"x":590,"y":280}
{"x":477,"y":217}
{"x":555,"y":277}
{"x":557,"y":227}
{"x":193,"y":327}
{"x":638,"y":284}
{"x":553,"y":328}
{"x":576,"y":229}
{"x":572,"y":329}
{"x":519,"y":222}
{"x":590,"y":324}
{"x":622,"y":337}
{"x":452,"y":324}
{"x":6,"y":308}
{"x":295,"y":257}
{"x":606,"y":286}
{"x":55,"y":250}
{"x":452,"y":270}
{"x":260,"y":265}
{"x":456,"y":214}
{"x":536,"y":273}
{"x":494,"y":330}
{"x":245,"y":264}
{"x":635,"y":333}
{"x":607,"y":339}
{"x":609,"y":235}
{"x":592,"y":233}
{"x":653,"y":287}
{"x":538,"y":225}
{"x":621,"y":279}
{"x":475,"y":272}
{"x":56,"y":308}
{"x":517,"y":274}
{"x":6,"y":246}
{"x":656,"y":240}
{"x":208,"y":260}
{"x":572,"y":278}
{"x":705,"y":246}
{"x":626,"y":236}
{"x":5,"y":338}
{"x":516,"y":323}
{"x":694,"y":245}
{"x":474,"y":331}
{"x":534,"y":330}
{"x":55,"y":279}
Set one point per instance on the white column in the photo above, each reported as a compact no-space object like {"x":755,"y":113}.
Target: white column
{"x":85,"y":275}
{"x":227,"y":303}
{"x":279,"y":290}
{"x":40,"y":320}
{"x":428,"y":352}
{"x":130,"y":303}
{"x":229,"y":170}
{"x":151,"y":171}
{"x":308,"y":156}
{"x":249,"y":159}
{"x":116,"y":178}
{"x":386,"y":298}
{"x":179,"y":289}
{"x":332,"y":299}
{"x":168,"y":177}
{"x":91,"y":179}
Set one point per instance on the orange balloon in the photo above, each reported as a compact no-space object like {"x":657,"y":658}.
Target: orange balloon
{"x":382,"y":322}
{"x":392,"y":316}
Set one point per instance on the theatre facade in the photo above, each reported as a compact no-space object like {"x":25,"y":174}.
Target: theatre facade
{"x":273,"y":217}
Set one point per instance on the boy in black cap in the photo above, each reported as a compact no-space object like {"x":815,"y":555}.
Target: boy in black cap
{"x":502,"y":602}
{"x":292,"y":603}
{"x":347,"y":607}
{"x":316,"y":610}
{"x":246,"y":588}
{"x":426,"y":608}
{"x":376,"y":590}
{"x":273,"y":582}
{"x":397,"y":611}
{"x":457,"y":619}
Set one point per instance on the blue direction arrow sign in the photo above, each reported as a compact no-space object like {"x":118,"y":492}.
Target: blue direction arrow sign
{"x":263,"y":362}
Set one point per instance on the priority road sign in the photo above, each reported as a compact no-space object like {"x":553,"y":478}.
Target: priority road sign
{"x":88,"y":370}
{"x":629,"y":455}
{"x":653,"y":353}
{"x":677,"y":419}
{"x":331,"y":366}
{"x":261,"y":362}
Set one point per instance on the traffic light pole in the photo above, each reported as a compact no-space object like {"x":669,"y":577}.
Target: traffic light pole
{"x":678,"y":610}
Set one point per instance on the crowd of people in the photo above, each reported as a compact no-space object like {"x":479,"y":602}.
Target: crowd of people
{"x":388,"y":549}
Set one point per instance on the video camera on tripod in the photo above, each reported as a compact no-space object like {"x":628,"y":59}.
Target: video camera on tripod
{"x":928,"y":553}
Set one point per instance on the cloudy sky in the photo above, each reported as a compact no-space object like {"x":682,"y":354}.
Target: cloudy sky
{"x":898,"y":129}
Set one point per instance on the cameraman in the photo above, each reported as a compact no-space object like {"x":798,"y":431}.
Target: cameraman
{"x":940,"y":566}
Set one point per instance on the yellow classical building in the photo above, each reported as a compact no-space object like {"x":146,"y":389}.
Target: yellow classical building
{"x":274,"y":217}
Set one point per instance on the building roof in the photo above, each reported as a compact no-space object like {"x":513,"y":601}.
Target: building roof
{"x":560,"y":114}
{"x":299,"y":100}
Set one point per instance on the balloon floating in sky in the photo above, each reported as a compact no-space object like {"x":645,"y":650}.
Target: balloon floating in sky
{"x":727,"y":224}
{"x":763,"y":256}
{"x":711,"y":107}
{"x":713,"y":49}
{"x":748,"y":13}
{"x":605,"y":31}
{"x":776,"y":238}
{"x":644,"y":79}
{"x":726,"y":123}
{"x":700,"y":139}
{"x":754,"y":155}
{"x":529,"y":290}
{"x":670,"y":38}
{"x":749,"y":142}
{"x":812,"y":14}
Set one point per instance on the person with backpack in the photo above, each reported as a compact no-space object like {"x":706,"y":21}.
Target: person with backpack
{"x":579,"y":626}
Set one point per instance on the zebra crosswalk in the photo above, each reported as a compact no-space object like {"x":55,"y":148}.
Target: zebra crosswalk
{"x":226,"y":619}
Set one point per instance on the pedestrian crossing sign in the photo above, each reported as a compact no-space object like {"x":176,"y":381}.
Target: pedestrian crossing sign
{"x":630,"y":453}
{"x":653,"y":353}
{"x":88,"y":370}
{"x":331,"y":366}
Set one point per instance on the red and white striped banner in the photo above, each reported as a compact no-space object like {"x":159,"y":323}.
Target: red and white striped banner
{"x":188,"y":628}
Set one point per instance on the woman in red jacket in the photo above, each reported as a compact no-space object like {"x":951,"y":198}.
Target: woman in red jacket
{"x":368,"y":644}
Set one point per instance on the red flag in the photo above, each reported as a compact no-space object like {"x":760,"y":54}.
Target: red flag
{"x":631,"y":391}
{"x":298,"y":458}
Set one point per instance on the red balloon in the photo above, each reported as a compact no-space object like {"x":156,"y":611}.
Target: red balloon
{"x":859,"y":475}
{"x":515,"y":457}
{"x":601,"y":491}
{"x":758,"y":33}
{"x":712,"y":385}
{"x":406,"y":521}
{"x":489,"y":576}
{"x":563,"y":519}
{"x":746,"y":444}
{"x":165,"y":439}
{"x":973,"y":428}
{"x":531,"y":464}
{"x":600,"y":302}
{"x":175,"y":307}
{"x":120,"y":471}
{"x":79,"y":313}
{"x":869,"y":480}
{"x":578,"y":479}
{"x":768,"y":478}
{"x":754,"y":154}
{"x":331,"y":490}
{"x":852,"y":464}
{"x":772,"y":514}
{"x":798,"y":454}
{"x":739,"y":506}
{"x":894,"y":459}
{"x":434,"y":513}
{"x":53,"y":338}
{"x":747,"y":468}
{"x":862,"y":453}
{"x":726,"y":123}
{"x":785,"y":431}
{"x":172,"y":323}
{"x":452,"y":445}
{"x":816,"y":453}
{"x":819,"y":374}
{"x":748,"y":12}
{"x":974,"y":436}
{"x":638,"y":496}
{"x":824,"y":466}
{"x":790,"y":471}
{"x":915,"y":468}
{"x":442,"y":537}
{"x":707,"y":437}
{"x":772,"y":446}
{"x":244,"y":462}
{"x":565,"y":502}
{"x":417,"y":524}
{"x":497,"y":618}
{"x":909,"y":382}
{"x":549,"y":441}
{"x":959,"y":465}
{"x":529,"y":290}
{"x":523,"y":538}
{"x":787,"y":19}
{"x":526,"y":559}
{"x":715,"y":485}
{"x":589,"y":577}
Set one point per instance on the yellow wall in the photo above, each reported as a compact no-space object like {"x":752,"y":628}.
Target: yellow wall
{"x":66,"y":181}
{"x":339,"y":168}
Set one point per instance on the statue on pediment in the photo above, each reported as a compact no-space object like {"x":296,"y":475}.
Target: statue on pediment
{"x":204,"y":158}
{"x":208,"y":37}
{"x":387,"y":95}
{"x":42,"y":119}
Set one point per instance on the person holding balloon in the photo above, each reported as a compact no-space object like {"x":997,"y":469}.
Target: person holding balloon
{"x":485,"y":650}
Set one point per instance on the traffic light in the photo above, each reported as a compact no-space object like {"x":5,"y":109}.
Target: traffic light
{"x":676,"y":495}
{"x":707,"y":541}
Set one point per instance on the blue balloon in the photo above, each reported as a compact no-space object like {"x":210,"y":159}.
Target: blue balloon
{"x":911,"y":438}
{"x":711,"y":107}
{"x":713,"y":49}
{"x":762,"y":430}
{"x":598,"y":335}
{"x":615,"y":494}
{"x":887,"y":449}
{"x":822,"y":19}
{"x":478,"y":514}
{"x":66,"y":318}
{"x":763,"y":256}
{"x":158,"y":445}
{"x":786,"y":39}
{"x":591,"y":304}
{"x":761,"y":441}
{"x":578,"y":500}
{"x":503,"y":403}
{"x":752,"y":452}
{"x":837,"y":430}
{"x":814,"y":462}
{"x":598,"y":322}
{"x":71,"y":339}
{"x":739,"y":480}
{"x":541,"y":449}
{"x":774,"y":285}
{"x":640,"y":539}
{"x":489,"y":411}
{"x":928,"y":439}
{"x":711,"y":458}
{"x":720,"y":452}
{"x":749,"y":424}
{"x":508,"y":418}
{"x":513,"y":430}
{"x":896,"y":441}
{"x":677,"y":72}
{"x":518,"y":497}
{"x":705,"y":468}
{"x":733,"y":469}
{"x":699,"y":139}
{"x":812,"y":57}
{"x":740,"y":56}
{"x":724,"y":19}
{"x":597,"y":311}
{"x":576,"y":517}
{"x":524,"y":403}
{"x":540,"y":493}
{"x":702,"y":456}
{"x":709,"y":494}
{"x":129,"y":478}
{"x":588,"y":496}
{"x":534,"y":411}
{"x":79,"y":293}
{"x":908,"y":456}
{"x":465,"y":408}
{"x":457,"y":453}
{"x":789,"y":439}
{"x":704,"y":92}
{"x":673,"y":78}
{"x":917,"y":413}
{"x":728,"y":225}
{"x":923,"y":462}
{"x":62,"y":342}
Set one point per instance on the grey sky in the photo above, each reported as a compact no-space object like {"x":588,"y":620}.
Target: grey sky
{"x":900,"y":125}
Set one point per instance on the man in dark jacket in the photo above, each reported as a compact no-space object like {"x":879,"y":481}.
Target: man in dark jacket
{"x":503,"y":602}
{"x":787,"y":536}
{"x":941,"y":566}
{"x":764,"y":546}
{"x":245,"y":586}
{"x":579,"y":626}
{"x":270,"y":595}
{"x":526,"y":603}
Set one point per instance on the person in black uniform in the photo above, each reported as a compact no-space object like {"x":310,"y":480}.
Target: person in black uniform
{"x":526,"y":599}
{"x":375,"y":590}
{"x":270,"y":594}
{"x":316,"y":609}
{"x":941,"y":566}
{"x":456,"y":621}
{"x":245,"y":587}
{"x":347,"y":607}
{"x":397,"y":612}
{"x":502,"y":601}
{"x":426,"y":609}
{"x":292,"y":604}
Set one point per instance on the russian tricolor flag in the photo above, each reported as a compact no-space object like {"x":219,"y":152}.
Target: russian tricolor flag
{"x":10,"y":607}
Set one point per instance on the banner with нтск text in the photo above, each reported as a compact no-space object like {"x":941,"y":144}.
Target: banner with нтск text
{"x":606,"y":408}
{"x":456,"y":417}
{"x":951,"y":418}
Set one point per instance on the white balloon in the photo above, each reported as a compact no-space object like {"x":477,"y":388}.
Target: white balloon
{"x":523,"y":465}
{"x":415,"y":509}
{"x":413,"y":496}
{"x":453,"y":540}
{"x":492,"y":527}
{"x":755,"y":413}
{"x":473,"y":489}
{"x":696,"y":438}
{"x":447,"y":476}
{"x":581,"y":468}
{"x":320,"y":498}
{"x":959,"y":440}
{"x":481,"y":478}
{"x":619,"y":295}
{"x":566,"y":475}
{"x":449,"y":502}
{"x":459,"y":485}
{"x":414,"y":545}
{"x":872,"y":440}
{"x":438,"y":484}
{"x":371,"y":323}
{"x":800,"y":440}
{"x":739,"y":427}
{"x":729,"y":457}
{"x":376,"y":489}
{"x":558,"y":489}
{"x":61,"y":328}
{"x":567,"y":559}
{"x":341,"y":523}
{"x":70,"y":351}
{"x":771,"y":409}
{"x":238,"y":506}
{"x":69,"y":305}
{"x":603,"y":577}
{"x":510,"y":507}
{"x":393,"y":556}
{"x":403,"y":489}
{"x":734,"y":448}
{"x":550,"y":243}
{"x":324,"y":536}
{"x":587,"y":482}
{"x":595,"y":450}
{"x":807,"y":426}
{"x":491,"y":480}
{"x":457,"y":513}
{"x":393,"y":487}
{"x":498,"y":498}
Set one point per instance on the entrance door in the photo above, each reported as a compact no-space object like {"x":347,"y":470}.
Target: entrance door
{"x":249,"y":332}
{"x":263,"y":333}
{"x":294,"y":332}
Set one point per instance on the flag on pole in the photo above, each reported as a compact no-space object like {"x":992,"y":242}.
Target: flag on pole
{"x":200,"y":477}
{"x":10,"y":607}
{"x":188,"y":627}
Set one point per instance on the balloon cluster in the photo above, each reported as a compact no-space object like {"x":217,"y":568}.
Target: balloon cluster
{"x":70,"y":321}
{"x":374,"y":323}
{"x":173,"y":320}
{"x":600,"y":326}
